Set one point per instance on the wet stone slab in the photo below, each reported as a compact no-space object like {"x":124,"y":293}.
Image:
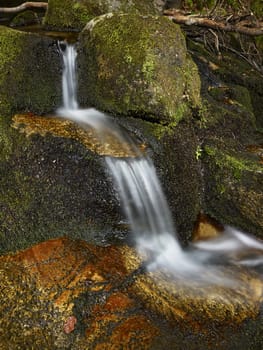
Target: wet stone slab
{"x":105,"y":145}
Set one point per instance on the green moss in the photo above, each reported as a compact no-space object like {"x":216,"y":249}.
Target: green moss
{"x":233,"y":188}
{"x":236,"y":165}
{"x":25,"y":18}
{"x":134,"y":68}
{"x":11,"y":45}
{"x":256,"y":6}
{"x":148,"y":67}
{"x":68,"y":14}
{"x":10,"y":139}
{"x":21,"y":53}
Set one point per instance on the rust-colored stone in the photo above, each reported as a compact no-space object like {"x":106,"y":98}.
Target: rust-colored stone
{"x":206,"y":228}
{"x":106,"y":144}
{"x":118,"y":302}
{"x":69,"y":325}
{"x":62,"y":285}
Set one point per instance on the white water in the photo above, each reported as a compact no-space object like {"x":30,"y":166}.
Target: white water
{"x":69,"y":80}
{"x":146,"y":208}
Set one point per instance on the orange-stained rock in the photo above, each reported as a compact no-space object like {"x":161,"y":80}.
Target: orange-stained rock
{"x":69,"y":325}
{"x":66,"y":294}
{"x":206,"y":228}
{"x":33,"y":124}
{"x":257,"y":150}
{"x":118,"y":302}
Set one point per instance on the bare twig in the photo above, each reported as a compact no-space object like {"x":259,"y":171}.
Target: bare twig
{"x":180,"y":18}
{"x":25,"y":6}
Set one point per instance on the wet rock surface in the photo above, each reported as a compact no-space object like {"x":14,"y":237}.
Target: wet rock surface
{"x":66,"y":294}
{"x":52,"y":186}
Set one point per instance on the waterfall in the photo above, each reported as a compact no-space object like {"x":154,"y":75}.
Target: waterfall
{"x":145,"y":205}
{"x":69,"y":80}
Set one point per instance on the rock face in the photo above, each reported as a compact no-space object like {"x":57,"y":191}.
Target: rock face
{"x":52,"y":184}
{"x":65,"y":294}
{"x":234,"y":182}
{"x":230,"y":150}
{"x":137,"y":65}
{"x":30,"y":72}
{"x":138,"y":69}
{"x":73,"y":15}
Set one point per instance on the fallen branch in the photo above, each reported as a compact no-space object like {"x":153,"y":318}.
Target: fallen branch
{"x":24,"y":6}
{"x":180,"y":18}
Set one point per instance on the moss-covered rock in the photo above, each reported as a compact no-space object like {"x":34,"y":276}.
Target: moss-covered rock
{"x":232,"y":76}
{"x":226,"y":126}
{"x":25,"y":18}
{"x":137,"y":65}
{"x":30,"y":72}
{"x":233,"y":187}
{"x":73,"y":15}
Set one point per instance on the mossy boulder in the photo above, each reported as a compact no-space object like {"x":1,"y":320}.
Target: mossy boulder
{"x":137,"y":65}
{"x":30,"y":72}
{"x":74,"y":15}
{"x":233,"y":186}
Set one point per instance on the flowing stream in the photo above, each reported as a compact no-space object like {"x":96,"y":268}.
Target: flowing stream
{"x":146,"y":207}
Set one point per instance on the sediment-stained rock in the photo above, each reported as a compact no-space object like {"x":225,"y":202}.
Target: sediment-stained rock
{"x":69,"y":294}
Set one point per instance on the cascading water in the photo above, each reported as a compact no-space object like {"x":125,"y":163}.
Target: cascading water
{"x":146,"y":207}
{"x":69,"y":54}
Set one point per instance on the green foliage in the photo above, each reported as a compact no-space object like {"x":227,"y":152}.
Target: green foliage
{"x":257,"y":8}
{"x":198,"y":152}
